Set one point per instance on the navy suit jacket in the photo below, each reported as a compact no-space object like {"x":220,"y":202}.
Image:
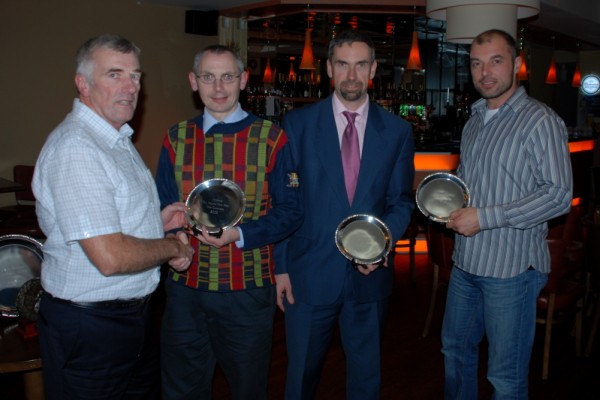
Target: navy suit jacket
{"x":310,"y":256}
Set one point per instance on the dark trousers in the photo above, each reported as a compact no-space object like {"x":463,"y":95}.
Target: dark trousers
{"x":93,"y":354}
{"x":201,"y":329}
{"x":309,"y":330}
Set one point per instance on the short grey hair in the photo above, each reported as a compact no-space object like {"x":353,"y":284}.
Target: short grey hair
{"x":84,"y":56}
{"x":217,"y":49}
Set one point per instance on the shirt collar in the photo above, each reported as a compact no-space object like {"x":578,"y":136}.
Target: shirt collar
{"x":515,"y":101}
{"x":339,"y":108}
{"x":101,"y":125}
{"x":209,"y":121}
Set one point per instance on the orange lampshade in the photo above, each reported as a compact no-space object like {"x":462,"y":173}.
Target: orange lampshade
{"x":551,"y":76}
{"x":292,"y":73}
{"x":268,"y":76}
{"x":414,"y":59}
{"x":576,"y":82}
{"x":308,"y":60}
{"x":522,"y":74}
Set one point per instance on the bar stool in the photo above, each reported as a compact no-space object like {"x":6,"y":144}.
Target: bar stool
{"x":25,"y":201}
{"x":21,"y":355}
{"x":409,"y":241}
{"x":440,"y":245}
{"x":561,"y":301}
{"x":593,"y":264}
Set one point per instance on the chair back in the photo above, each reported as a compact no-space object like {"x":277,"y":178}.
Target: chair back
{"x":559,"y":265}
{"x":23,"y":174}
{"x":440,"y":245}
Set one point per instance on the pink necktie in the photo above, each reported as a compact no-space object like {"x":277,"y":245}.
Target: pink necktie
{"x":350,"y":154}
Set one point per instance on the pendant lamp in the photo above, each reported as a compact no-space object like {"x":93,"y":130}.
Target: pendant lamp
{"x":576,"y":82}
{"x":465,"y":19}
{"x":522,"y":74}
{"x":268,"y":75}
{"x":414,"y":59}
{"x":308,"y":59}
{"x":551,"y":76}
{"x":292,"y":73}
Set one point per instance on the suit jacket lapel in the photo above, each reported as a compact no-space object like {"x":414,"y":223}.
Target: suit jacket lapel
{"x":373,"y":147}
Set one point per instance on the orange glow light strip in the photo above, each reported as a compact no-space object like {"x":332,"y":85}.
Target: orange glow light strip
{"x":584,"y":145}
{"x":420,"y":246}
{"x":448,"y":162}
{"x":436,"y":162}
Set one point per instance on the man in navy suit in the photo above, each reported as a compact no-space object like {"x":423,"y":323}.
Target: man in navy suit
{"x":317,"y":287}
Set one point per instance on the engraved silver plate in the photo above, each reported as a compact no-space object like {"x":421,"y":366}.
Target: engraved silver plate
{"x":363,"y":239}
{"x":215,"y":205}
{"x":441,"y":193}
{"x":20,"y":261}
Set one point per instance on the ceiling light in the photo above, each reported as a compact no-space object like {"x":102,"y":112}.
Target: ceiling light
{"x":468,"y":18}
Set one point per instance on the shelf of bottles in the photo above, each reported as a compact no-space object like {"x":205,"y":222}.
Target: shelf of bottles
{"x":406,"y":99}
{"x":272,"y":100}
{"x":409,"y":100}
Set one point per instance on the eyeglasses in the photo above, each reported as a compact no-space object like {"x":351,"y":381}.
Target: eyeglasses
{"x":209,"y":79}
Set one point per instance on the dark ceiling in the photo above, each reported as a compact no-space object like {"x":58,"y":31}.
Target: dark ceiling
{"x":278,"y":26}
{"x":558,"y":25}
{"x":392,"y":33}
{"x":287,"y":33}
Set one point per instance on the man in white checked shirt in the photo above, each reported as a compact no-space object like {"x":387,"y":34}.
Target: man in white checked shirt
{"x":98,"y":207}
{"x":515,"y":161}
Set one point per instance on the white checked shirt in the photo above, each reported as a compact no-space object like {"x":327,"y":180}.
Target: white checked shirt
{"x":89,"y":181}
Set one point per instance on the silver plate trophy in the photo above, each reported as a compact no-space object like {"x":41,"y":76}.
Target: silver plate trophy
{"x":441,"y":193}
{"x":363,"y":239}
{"x":20,"y":264}
{"x":215,"y":205}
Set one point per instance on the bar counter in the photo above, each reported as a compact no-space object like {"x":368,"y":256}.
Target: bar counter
{"x":445,"y":156}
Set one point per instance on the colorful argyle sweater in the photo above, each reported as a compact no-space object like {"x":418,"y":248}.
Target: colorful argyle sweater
{"x":243,"y":152}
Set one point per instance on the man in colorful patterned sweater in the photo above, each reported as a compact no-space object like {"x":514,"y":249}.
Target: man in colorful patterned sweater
{"x":221,"y":310}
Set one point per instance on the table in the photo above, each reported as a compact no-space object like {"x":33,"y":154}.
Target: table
{"x":18,"y":354}
{"x":7,"y":186}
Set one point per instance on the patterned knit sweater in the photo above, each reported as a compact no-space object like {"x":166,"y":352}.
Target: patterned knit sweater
{"x":244,"y":152}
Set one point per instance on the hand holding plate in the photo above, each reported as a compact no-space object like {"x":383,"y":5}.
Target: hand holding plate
{"x":464,"y":221}
{"x":214,"y":206}
{"x":440,"y":194}
{"x":363,"y":239}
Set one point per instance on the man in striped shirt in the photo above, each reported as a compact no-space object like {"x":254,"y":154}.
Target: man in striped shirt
{"x":515,"y":161}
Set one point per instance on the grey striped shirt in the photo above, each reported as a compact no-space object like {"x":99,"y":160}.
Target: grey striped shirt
{"x":517,"y":167}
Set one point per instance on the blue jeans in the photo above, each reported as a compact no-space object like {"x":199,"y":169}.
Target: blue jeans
{"x":503,"y":310}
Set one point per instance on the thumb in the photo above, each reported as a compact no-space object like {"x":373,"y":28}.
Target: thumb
{"x":183,"y":237}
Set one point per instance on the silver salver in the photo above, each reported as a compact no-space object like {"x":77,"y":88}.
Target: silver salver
{"x":215,"y":205}
{"x":20,"y":263}
{"x":363,"y":239}
{"x":441,"y":193}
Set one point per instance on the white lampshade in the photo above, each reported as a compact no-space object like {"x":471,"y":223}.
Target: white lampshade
{"x":468,"y":18}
